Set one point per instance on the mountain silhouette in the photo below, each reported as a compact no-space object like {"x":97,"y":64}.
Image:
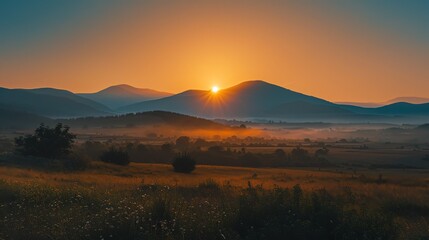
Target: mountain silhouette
{"x":395,"y":109}
{"x":122,"y":95}
{"x":12,"y":119}
{"x":49,"y":103}
{"x":248,"y":99}
{"x":251,"y":99}
{"x":71,"y":96}
{"x":413,"y":100}
{"x":157,"y":118}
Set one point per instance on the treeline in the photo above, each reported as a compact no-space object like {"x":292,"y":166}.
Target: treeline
{"x":56,"y":147}
{"x":207,"y":153}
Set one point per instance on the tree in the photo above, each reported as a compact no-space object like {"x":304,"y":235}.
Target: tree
{"x":166,"y":147}
{"x":280,"y":153}
{"x":321,"y":152}
{"x":184,"y":163}
{"x":115,"y":156}
{"x":46,"y":142}
{"x":299,"y":153}
{"x":183,"y":142}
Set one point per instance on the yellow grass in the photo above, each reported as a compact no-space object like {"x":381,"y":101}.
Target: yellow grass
{"x":394,"y":182}
{"x":367,"y":186}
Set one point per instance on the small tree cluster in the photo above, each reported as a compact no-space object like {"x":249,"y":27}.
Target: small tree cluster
{"x":299,"y":153}
{"x":115,"y":156}
{"x":184,"y":163}
{"x":46,"y":142}
{"x":322,"y":152}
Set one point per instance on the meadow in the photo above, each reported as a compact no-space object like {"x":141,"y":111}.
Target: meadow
{"x":251,"y":187}
{"x":214,"y":202}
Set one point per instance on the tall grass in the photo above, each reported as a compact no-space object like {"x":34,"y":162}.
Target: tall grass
{"x":207,"y":211}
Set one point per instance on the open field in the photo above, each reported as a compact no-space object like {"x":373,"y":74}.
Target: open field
{"x":244,"y":187}
{"x":402,"y":195}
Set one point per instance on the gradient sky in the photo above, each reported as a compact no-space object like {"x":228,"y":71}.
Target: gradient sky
{"x":363,"y":50}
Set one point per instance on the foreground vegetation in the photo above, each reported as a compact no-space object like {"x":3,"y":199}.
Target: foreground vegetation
{"x":144,"y":201}
{"x":208,"y":211}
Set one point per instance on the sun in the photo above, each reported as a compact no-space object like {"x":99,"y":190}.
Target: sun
{"x":215,"y":89}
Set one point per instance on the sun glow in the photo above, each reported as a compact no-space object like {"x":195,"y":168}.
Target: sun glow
{"x":215,"y":89}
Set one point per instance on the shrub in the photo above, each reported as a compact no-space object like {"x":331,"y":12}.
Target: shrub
{"x":46,"y":142}
{"x":184,"y":163}
{"x":115,"y":156}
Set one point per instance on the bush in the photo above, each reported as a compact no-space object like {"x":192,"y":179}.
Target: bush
{"x":115,"y":156}
{"x":46,"y":142}
{"x":184,"y":163}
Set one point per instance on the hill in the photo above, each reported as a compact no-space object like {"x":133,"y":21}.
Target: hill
{"x":121,"y":95}
{"x":413,"y":100}
{"x":49,"y":103}
{"x":71,"y":96}
{"x":395,"y":109}
{"x":145,"y":118}
{"x":10,"y":119}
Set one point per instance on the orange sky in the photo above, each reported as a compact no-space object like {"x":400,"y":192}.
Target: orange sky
{"x":177,"y":46}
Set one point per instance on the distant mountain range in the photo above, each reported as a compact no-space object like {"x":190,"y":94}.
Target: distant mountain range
{"x":248,"y":100}
{"x":122,"y":95}
{"x":413,"y":100}
{"x":259,"y":99}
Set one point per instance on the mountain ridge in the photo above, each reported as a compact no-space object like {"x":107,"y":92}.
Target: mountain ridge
{"x":56,"y":103}
{"x":123,"y":94}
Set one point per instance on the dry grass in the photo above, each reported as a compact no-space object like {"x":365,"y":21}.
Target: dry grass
{"x":405,"y":193}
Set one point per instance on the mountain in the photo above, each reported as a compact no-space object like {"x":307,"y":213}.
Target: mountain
{"x":143,"y":119}
{"x":122,"y":95}
{"x":248,"y":99}
{"x":395,"y":109}
{"x":71,"y":96}
{"x":50,"y":102}
{"x":413,"y":100}
{"x":11,"y":119}
{"x":361,"y":104}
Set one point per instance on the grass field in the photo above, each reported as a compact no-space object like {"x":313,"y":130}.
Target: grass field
{"x":57,"y":202}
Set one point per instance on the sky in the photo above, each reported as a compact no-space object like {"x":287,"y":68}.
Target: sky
{"x":362,"y":50}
